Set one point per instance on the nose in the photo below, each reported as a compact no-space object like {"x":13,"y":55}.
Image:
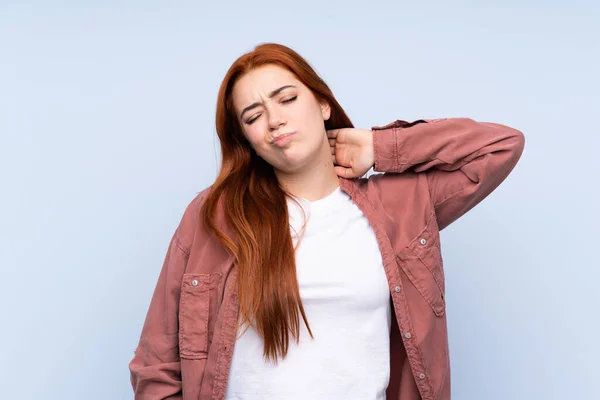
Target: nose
{"x":276,"y":120}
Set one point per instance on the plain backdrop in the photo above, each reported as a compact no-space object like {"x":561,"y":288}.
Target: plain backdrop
{"x":107,"y":133}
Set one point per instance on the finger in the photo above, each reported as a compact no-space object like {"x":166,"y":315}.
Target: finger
{"x":344,"y":172}
{"x":332,"y":134}
{"x":332,"y":150}
{"x":332,"y":142}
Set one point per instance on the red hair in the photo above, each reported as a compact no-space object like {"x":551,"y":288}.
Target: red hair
{"x":255,"y":208}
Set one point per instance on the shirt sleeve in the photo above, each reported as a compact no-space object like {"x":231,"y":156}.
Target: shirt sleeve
{"x":464,"y":160}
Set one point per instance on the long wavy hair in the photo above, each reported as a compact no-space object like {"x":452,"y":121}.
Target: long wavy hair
{"x":255,"y":208}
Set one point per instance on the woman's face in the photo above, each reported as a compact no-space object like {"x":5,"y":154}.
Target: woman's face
{"x":281,"y":118}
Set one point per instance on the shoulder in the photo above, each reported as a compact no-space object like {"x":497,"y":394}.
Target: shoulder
{"x":400,"y":198}
{"x":391,"y":185}
{"x":190,"y":222}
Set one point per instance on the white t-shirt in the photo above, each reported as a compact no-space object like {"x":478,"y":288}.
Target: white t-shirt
{"x":345,"y":295}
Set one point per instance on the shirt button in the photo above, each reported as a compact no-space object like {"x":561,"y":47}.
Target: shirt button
{"x":397,"y":289}
{"x":194,"y":283}
{"x":408,"y":335}
{"x":421,"y":376}
{"x":423,"y":242}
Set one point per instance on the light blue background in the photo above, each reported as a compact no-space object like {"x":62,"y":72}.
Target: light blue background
{"x":107,"y":133}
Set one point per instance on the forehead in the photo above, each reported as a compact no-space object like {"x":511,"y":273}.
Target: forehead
{"x":261,"y":81}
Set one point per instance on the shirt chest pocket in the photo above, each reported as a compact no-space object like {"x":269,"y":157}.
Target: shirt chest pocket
{"x":197,"y":312}
{"x":422,"y":263}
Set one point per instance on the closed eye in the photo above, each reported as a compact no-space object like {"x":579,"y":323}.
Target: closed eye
{"x":289,"y":100}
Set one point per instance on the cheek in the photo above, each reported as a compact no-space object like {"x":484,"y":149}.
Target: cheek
{"x":312,"y":116}
{"x":254,"y":135}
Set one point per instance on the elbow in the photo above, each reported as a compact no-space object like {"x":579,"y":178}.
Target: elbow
{"x":517,"y":145}
{"x":513,"y":140}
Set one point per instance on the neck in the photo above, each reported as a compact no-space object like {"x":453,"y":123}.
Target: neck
{"x":314,"y":181}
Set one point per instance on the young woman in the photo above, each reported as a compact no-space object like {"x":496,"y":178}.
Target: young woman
{"x":292,"y":277}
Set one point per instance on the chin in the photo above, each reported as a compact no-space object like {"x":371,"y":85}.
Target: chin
{"x":291,"y":163}
{"x":294,"y":158}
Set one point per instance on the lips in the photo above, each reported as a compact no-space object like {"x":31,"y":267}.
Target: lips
{"x":283,"y":139}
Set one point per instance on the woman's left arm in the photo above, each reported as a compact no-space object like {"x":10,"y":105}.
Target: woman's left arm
{"x":464,"y":160}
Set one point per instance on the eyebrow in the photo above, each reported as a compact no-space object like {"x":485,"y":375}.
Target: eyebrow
{"x":273,"y":93}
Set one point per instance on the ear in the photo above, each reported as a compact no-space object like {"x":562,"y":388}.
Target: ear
{"x":325,"y":110}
